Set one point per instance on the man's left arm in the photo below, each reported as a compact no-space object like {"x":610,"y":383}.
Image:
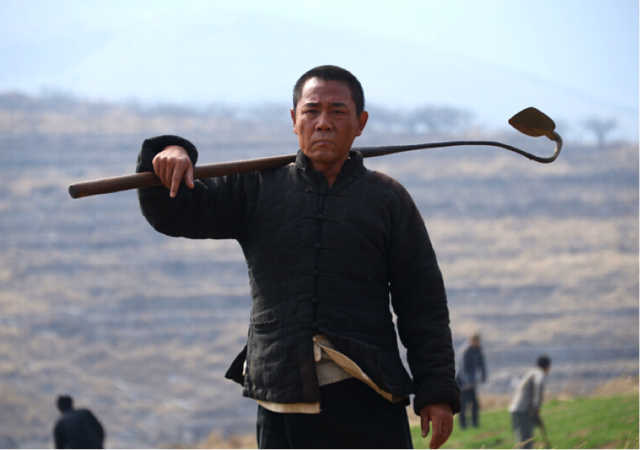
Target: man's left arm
{"x":483,"y":367}
{"x":419,"y":300}
{"x":59,"y":437}
{"x":97,"y":426}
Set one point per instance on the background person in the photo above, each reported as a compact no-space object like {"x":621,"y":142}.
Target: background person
{"x":527,"y":401}
{"x":77,"y":428}
{"x":471,"y":371}
{"x":328,"y":243}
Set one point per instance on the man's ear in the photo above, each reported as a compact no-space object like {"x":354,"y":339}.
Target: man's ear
{"x":362,"y":122}
{"x":293,"y":118}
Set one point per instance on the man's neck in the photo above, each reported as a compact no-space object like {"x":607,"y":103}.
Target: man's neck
{"x":330,"y":171}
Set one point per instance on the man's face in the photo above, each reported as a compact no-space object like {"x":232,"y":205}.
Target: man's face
{"x":326,"y":122}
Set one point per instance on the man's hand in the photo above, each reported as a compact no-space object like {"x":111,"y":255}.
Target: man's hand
{"x":441,"y":417}
{"x":172,"y":165}
{"x":535,"y":418}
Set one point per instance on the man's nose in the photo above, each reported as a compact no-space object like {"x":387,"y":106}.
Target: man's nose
{"x":324,"y":122}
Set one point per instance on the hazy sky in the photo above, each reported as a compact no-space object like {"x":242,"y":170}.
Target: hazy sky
{"x":572,"y":57}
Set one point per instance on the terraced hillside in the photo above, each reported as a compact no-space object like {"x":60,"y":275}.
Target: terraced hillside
{"x":141,"y":327}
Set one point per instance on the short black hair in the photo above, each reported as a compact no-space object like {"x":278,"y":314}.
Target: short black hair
{"x":331,"y":73}
{"x":544,"y":362}
{"x":64,"y":403}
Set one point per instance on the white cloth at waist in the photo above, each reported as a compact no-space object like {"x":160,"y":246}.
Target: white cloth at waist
{"x":331,"y":367}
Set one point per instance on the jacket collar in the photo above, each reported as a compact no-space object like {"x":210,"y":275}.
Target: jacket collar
{"x":351,"y":167}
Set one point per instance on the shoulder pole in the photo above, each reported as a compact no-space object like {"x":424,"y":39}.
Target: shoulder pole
{"x":530,"y":121}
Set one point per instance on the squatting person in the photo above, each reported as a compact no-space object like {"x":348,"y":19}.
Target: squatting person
{"x":329,"y":244}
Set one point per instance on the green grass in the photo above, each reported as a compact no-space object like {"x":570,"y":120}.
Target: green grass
{"x":578,"y":423}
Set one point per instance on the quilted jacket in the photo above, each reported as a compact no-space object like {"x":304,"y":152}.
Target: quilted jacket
{"x":322,"y":260}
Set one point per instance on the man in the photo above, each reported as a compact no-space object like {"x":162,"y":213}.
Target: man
{"x":527,"y":401}
{"x":326,"y":242}
{"x":77,"y":428}
{"x":471,"y":363}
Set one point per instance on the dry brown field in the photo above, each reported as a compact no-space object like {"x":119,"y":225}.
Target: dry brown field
{"x":140,"y":327}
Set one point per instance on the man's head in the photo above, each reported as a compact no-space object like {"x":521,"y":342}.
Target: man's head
{"x":544,"y":362}
{"x":331,"y":73}
{"x":326,"y":118}
{"x":64,"y":403}
{"x":474,"y":340}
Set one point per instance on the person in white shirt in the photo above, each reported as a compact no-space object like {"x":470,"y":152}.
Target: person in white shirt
{"x":526,"y":402}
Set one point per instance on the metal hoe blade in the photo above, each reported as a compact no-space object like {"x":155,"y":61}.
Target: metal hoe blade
{"x":534,"y":123}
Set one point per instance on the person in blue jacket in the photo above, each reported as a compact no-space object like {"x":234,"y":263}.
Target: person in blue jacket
{"x":472,"y":371}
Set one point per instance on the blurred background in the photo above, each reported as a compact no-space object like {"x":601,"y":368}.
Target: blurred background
{"x":140,"y":327}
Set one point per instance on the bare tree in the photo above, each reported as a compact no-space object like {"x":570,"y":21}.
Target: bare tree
{"x":601,"y":128}
{"x":440,"y":119}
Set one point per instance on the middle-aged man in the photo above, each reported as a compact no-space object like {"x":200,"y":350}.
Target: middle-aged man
{"x":327,"y":243}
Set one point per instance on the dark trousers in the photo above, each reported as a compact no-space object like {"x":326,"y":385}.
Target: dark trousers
{"x":352,"y":416}
{"x":469,"y":397}
{"x":522,"y":430}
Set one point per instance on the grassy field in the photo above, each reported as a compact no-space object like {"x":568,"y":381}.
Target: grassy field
{"x":604,"y":422}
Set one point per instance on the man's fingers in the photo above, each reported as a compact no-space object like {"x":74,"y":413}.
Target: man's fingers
{"x":158,"y":168}
{"x":172,"y":165}
{"x":436,"y":437}
{"x":424,"y":423}
{"x":441,"y":418}
{"x":182,"y":171}
{"x":441,"y":431}
{"x":188,"y":177}
{"x":176,"y":179}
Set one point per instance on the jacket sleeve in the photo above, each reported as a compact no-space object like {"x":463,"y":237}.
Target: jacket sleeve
{"x":97,"y":426}
{"x":215,"y":208}
{"x":537,"y":391}
{"x":59,"y":435}
{"x":483,"y":367}
{"x":420,"y":302}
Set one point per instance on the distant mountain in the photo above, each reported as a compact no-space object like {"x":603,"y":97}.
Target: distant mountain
{"x":236,"y":58}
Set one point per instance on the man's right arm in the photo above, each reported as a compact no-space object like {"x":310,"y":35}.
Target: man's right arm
{"x":538,"y":387}
{"x":537,"y":381}
{"x":534,"y":415}
{"x":59,"y":436}
{"x":208,"y":208}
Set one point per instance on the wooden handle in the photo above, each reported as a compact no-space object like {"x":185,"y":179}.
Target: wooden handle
{"x":148,"y":179}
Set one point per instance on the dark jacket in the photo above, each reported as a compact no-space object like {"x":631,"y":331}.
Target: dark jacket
{"x":78,"y":428}
{"x":471,"y":363}
{"x":322,"y":260}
